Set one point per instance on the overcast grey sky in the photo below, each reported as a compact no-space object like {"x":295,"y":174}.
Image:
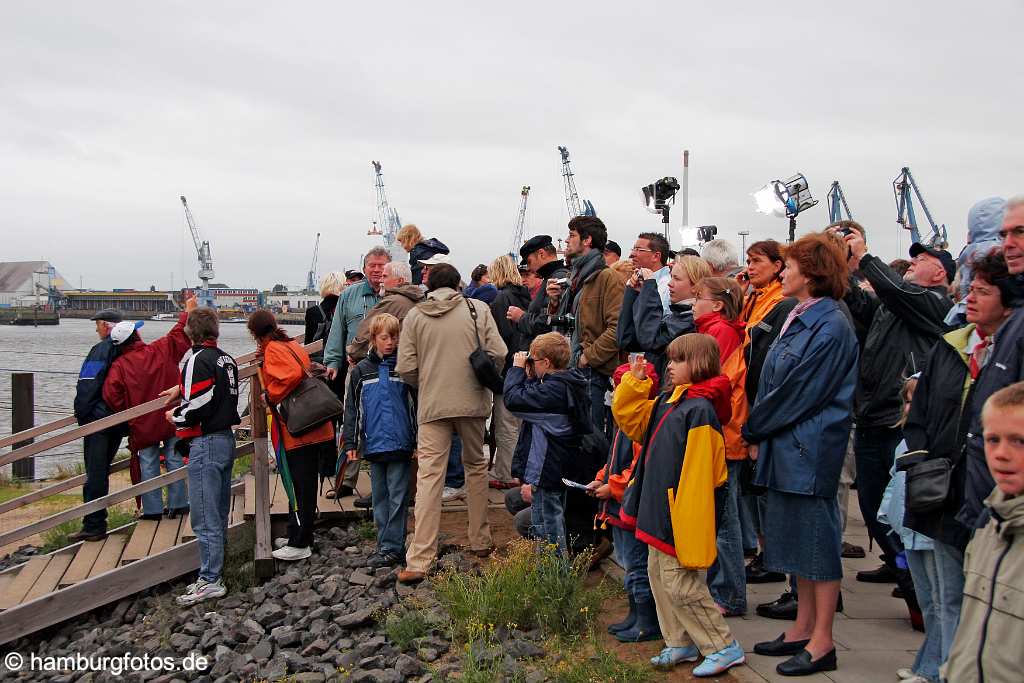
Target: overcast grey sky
{"x":267,"y":118}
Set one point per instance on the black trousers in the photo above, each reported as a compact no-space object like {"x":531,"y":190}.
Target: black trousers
{"x":303,"y":464}
{"x":100,"y":449}
{"x":874,"y":449}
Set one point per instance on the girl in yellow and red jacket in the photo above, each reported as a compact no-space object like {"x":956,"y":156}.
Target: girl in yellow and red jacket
{"x":672,"y":497}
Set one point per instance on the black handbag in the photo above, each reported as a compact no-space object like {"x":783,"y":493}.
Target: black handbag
{"x":483,"y":367}
{"x":928,"y":484}
{"x":309,"y":405}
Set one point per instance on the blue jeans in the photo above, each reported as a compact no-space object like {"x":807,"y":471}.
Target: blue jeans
{"x":926,"y":585}
{"x":874,"y":449}
{"x":597,"y":385}
{"x":549,"y":516}
{"x":455,"y":477}
{"x":748,"y":520}
{"x":210,"y":458}
{"x":631,"y":555}
{"x":390,"y":481}
{"x":727,"y":577}
{"x":949,"y":571}
{"x":149,"y":465}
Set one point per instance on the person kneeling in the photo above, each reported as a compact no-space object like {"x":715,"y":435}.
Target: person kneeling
{"x":380,"y":425}
{"x":553,"y":403}
{"x":672,"y":497}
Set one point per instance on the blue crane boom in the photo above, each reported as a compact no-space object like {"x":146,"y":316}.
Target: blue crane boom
{"x":902,"y":187}
{"x":837,"y":204}
{"x":519,"y":231}
{"x":577,"y":207}
{"x":311,"y":280}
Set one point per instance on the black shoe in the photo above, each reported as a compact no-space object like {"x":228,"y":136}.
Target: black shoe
{"x":779,"y":647}
{"x":897,"y":592}
{"x":883,"y":574}
{"x":344,"y":491}
{"x":644,"y":628}
{"x":749,"y":553}
{"x":153,"y":516}
{"x":783,"y":608}
{"x":800,"y":664}
{"x":852,"y":551}
{"x":365,"y":502}
{"x":174,"y":513}
{"x":84,"y":535}
{"x":627,"y":622}
{"x":756,"y":573}
{"x":378,"y":560}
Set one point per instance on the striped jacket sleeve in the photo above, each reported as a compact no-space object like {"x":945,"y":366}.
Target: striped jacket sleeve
{"x":198,"y":379}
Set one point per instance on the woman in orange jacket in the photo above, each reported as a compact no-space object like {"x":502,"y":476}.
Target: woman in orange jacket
{"x":284,"y":366}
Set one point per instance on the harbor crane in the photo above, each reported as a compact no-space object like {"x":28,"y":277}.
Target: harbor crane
{"x":389,"y":220}
{"x":311,"y":280}
{"x":577,"y":207}
{"x":837,"y":204}
{"x":203,"y":295}
{"x":519,"y":232}
{"x":902,"y":187}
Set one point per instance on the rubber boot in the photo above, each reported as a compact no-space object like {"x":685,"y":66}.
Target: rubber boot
{"x":646,"y":626}
{"x":626,"y":623}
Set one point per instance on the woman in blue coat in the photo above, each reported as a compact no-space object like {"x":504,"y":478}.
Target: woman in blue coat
{"x":797,"y":430}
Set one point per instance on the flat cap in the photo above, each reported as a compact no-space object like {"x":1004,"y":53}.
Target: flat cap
{"x":110,"y":315}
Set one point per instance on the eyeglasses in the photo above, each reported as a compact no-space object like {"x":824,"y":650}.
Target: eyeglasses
{"x":642,"y":249}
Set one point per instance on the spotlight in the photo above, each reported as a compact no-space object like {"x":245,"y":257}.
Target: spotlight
{"x":785,"y":198}
{"x":659,"y":196}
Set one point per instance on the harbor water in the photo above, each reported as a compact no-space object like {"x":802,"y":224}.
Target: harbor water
{"x":54,"y":354}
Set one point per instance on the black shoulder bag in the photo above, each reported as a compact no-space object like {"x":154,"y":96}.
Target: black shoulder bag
{"x":309,"y":405}
{"x":483,"y":367}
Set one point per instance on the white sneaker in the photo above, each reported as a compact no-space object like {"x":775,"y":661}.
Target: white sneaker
{"x":280,"y":542}
{"x":904,"y":674}
{"x":450,"y":494}
{"x":289,"y":554}
{"x":202,"y":590}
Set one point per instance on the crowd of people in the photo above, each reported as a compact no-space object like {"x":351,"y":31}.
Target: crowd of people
{"x":685,"y":410}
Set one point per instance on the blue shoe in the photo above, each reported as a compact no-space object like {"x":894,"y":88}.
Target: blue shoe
{"x":671,"y":656}
{"x":717,"y":662}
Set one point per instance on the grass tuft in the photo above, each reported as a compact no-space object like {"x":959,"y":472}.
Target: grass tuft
{"x":596,"y":664}
{"x":366,"y":530}
{"x":403,"y":629}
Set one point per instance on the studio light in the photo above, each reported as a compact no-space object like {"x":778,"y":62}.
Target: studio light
{"x":785,"y":198}
{"x":659,"y":196}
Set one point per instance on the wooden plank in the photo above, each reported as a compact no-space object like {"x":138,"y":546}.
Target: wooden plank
{"x":5,"y":580}
{"x":59,"y":487}
{"x":23,"y":582}
{"x":48,"y":580}
{"x":250,"y":495}
{"x":185,"y":533}
{"x":237,"y":509}
{"x":99,"y":504}
{"x":165,"y":535}
{"x":82,"y":564}
{"x":140,"y":542}
{"x":27,"y":434}
{"x":279,"y":503}
{"x":110,"y":554}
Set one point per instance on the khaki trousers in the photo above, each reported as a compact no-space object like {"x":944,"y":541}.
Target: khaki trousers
{"x":506,"y":434}
{"x":846,"y":477}
{"x":434,"y":441}
{"x":686,"y":612}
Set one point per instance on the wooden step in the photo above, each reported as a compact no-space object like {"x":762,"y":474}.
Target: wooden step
{"x":185,"y":532}
{"x":110,"y":554}
{"x":141,"y":541}
{"x":50,"y":577}
{"x":23,"y":582}
{"x":82,"y":564}
{"x":165,"y":536}
{"x":237,"y":509}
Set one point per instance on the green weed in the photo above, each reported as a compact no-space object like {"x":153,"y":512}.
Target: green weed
{"x":366,"y":530}
{"x":403,"y":629}
{"x":595,"y":664}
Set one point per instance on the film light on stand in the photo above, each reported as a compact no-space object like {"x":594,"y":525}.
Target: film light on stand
{"x":785,"y":198}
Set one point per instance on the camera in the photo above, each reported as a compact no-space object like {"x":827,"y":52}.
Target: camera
{"x":843,"y":231}
{"x":658,"y":195}
{"x":565,"y":322}
{"x":706,"y":233}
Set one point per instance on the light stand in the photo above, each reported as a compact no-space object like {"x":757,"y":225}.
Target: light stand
{"x":786,"y":198}
{"x":658,"y":198}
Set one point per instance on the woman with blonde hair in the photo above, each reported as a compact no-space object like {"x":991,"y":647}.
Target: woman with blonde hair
{"x":504,"y":274}
{"x":419,"y":249}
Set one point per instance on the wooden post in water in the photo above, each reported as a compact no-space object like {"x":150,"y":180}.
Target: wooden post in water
{"x":263,"y":561}
{"x":23,"y":412}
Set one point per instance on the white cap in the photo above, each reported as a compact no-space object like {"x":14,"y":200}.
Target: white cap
{"x":120,"y":332}
{"x":436,"y":259}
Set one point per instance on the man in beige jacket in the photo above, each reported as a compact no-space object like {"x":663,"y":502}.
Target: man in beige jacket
{"x":438,"y":337}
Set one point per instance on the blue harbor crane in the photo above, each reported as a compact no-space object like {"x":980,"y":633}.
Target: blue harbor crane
{"x":519,"y":231}
{"x":837,"y":204}
{"x":577,"y":207}
{"x":311,"y":279}
{"x":390,"y":223}
{"x":902,"y":187}
{"x":203,"y":295}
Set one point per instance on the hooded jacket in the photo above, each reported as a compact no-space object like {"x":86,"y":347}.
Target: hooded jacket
{"x":380,"y":411}
{"x":422,"y":252}
{"x":984,"y":220}
{"x":801,"y":416}
{"x":355,"y":302}
{"x":671,"y":499}
{"x":397,"y":301}
{"x":485,"y":293}
{"x":138,"y":375}
{"x":594,"y":297}
{"x":511,"y":334}
{"x":935,"y":425}
{"x":438,"y":337}
{"x":645,"y":326}
{"x":555,"y":411}
{"x":987,"y":642}
{"x":730,"y":335}
{"x":1005,"y":366}
{"x":904,"y":321}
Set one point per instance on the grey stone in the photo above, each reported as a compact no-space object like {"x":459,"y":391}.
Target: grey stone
{"x":268,"y":613}
{"x":254,"y":626}
{"x":306,"y":599}
{"x":316,"y":648}
{"x":309,"y":677}
{"x":375,"y":662}
{"x":182,"y":642}
{"x":263,"y":651}
{"x":285,"y":636}
{"x":276,"y":669}
{"x":357,"y":618}
{"x":360,"y":578}
{"x":407,"y":666}
{"x":429,"y":654}
{"x":535,"y":676}
{"x":523,"y":649}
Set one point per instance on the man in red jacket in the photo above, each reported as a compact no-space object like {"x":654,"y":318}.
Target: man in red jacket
{"x":139,"y":373}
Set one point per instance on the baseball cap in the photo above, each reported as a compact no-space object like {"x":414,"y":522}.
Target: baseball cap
{"x":436,"y":259}
{"x":945,"y":258}
{"x":613,"y":247}
{"x":123,"y":330}
{"x":110,"y":315}
{"x":353,"y":275}
{"x":533,"y":244}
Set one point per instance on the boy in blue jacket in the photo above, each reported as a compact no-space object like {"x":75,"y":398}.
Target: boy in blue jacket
{"x":380,"y":425}
{"x":554,"y":406}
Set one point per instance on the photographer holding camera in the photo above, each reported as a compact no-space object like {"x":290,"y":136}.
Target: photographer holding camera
{"x":586,"y":308}
{"x":540,"y":256}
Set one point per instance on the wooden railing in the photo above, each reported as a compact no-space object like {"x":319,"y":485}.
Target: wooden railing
{"x":248,"y":367}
